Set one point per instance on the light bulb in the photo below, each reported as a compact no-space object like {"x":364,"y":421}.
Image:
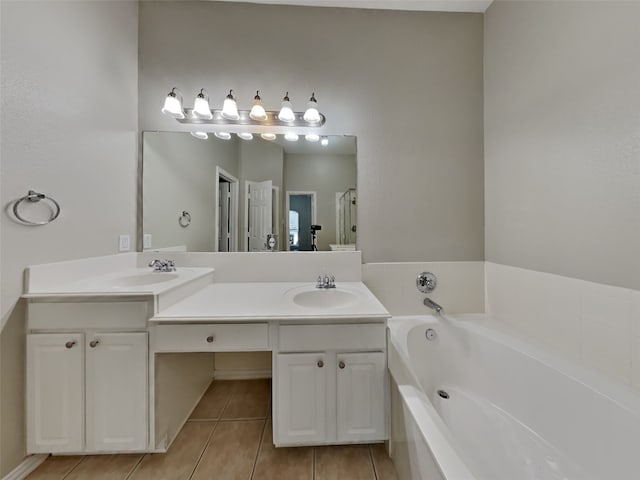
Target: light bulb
{"x":223,"y":135}
{"x":200,"y":135}
{"x":311,"y":114}
{"x":230,"y":108}
{"x":270,"y":137}
{"x":173,"y":105}
{"x":201,"y":108}
{"x":324,"y":142}
{"x":257,"y":110}
{"x":312,"y":137}
{"x":245,"y":136}
{"x":291,"y":137}
{"x":286,"y":110}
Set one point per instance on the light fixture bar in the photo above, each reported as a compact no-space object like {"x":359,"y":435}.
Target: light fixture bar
{"x":244,"y":119}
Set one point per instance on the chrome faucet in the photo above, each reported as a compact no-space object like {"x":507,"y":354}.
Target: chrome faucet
{"x":163,"y":265}
{"x":326,"y":281}
{"x":432,"y":305}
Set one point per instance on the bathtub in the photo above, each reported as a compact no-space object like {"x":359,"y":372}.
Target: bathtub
{"x":477,"y":403}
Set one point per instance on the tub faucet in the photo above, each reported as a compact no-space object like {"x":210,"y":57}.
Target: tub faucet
{"x":163,"y":266}
{"x":432,"y":305}
{"x":327,"y":281}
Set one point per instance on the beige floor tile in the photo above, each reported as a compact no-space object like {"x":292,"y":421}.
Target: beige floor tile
{"x":231,"y":452}
{"x":55,"y":468}
{"x":351,"y":462}
{"x":213,"y":401}
{"x":249,"y":399}
{"x":104,"y":467}
{"x":182,"y":457}
{"x":282,"y":463}
{"x":382,"y":463}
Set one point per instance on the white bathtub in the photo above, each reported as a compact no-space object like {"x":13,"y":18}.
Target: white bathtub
{"x":514,"y":412}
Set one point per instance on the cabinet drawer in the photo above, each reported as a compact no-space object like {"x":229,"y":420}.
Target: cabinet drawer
{"x":211,"y":338}
{"x":304,"y":338}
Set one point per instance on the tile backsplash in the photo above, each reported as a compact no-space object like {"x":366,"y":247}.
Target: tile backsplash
{"x":595,"y":324}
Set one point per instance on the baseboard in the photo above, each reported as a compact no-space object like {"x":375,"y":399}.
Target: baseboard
{"x":241,"y":374}
{"x":28,"y":465}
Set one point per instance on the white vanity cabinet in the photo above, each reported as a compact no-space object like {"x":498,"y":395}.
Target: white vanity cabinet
{"x":329,"y":384}
{"x":86,"y":392}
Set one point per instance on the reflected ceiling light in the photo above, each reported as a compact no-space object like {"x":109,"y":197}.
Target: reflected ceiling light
{"x":173,"y":105}
{"x":324,"y":142}
{"x":200,"y":135}
{"x":223,"y":135}
{"x":311,"y":114}
{"x":201,"y":108}
{"x":257,"y":110}
{"x":230,"y":108}
{"x":268,"y":136}
{"x":312,"y":137}
{"x":291,"y":137}
{"x":245,"y":135}
{"x":286,"y":110}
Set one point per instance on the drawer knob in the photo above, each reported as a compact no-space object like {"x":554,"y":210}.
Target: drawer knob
{"x":94,"y":343}
{"x":210,"y":339}
{"x":70,"y":344}
{"x":320,"y":364}
{"x":341,"y":364}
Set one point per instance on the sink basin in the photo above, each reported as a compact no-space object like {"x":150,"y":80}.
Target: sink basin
{"x":330,"y":298}
{"x":142,"y":279}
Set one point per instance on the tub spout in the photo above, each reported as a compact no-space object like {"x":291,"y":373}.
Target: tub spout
{"x":432,"y":305}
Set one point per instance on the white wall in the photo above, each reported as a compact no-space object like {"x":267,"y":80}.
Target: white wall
{"x":407,"y":84}
{"x":562,"y":138}
{"x":69,"y":129}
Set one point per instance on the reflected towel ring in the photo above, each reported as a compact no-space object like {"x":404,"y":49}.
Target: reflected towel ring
{"x":35,"y":197}
{"x":185,"y":219}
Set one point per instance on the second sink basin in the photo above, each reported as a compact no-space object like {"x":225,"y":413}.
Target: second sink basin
{"x":321,"y":298}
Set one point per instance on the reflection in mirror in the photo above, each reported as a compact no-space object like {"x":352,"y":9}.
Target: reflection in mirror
{"x":248,"y":195}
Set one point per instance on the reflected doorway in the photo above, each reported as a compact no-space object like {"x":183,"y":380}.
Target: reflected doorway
{"x":226,"y":208}
{"x":301,"y":214}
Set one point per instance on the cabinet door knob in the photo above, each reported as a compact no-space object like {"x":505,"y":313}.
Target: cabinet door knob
{"x":70,"y":344}
{"x":341,"y":364}
{"x":320,"y":364}
{"x":210,"y":339}
{"x":94,"y":343}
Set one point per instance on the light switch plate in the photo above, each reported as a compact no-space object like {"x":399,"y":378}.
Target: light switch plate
{"x":124,"y":243}
{"x":146,"y":241}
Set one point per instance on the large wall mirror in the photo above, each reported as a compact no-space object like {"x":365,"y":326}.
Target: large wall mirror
{"x":229,"y":195}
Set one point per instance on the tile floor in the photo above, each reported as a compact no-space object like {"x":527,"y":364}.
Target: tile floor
{"x":228,"y":437}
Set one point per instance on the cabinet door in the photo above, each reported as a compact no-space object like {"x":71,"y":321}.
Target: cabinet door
{"x":301,"y":408}
{"x":55,"y":393}
{"x":360,"y":396}
{"x":116,"y":391}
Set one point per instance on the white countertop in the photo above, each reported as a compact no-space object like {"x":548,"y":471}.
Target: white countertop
{"x":270,"y":301}
{"x":125,"y":282}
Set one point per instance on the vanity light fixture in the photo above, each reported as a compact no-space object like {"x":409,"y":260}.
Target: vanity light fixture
{"x":201,"y":108}
{"x":270,"y":137}
{"x":230,"y":108}
{"x":200,"y":135}
{"x":245,"y":135}
{"x":173,"y":105}
{"x":291,"y":137}
{"x":257,"y":110}
{"x":311,"y":114}
{"x":223,"y":135}
{"x":286,"y":110}
{"x":324,"y":142}
{"x":312,"y":137}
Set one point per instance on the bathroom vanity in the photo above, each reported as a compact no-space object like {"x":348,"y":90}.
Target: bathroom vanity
{"x":117,"y":361}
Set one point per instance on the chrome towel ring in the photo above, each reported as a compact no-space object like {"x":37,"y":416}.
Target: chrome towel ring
{"x":35,"y":197}
{"x":185,"y":219}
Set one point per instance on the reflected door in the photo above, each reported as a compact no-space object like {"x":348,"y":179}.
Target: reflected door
{"x":260,"y":210}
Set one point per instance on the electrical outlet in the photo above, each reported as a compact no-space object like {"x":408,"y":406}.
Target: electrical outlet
{"x":124,"y":243}
{"x":146,"y":240}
